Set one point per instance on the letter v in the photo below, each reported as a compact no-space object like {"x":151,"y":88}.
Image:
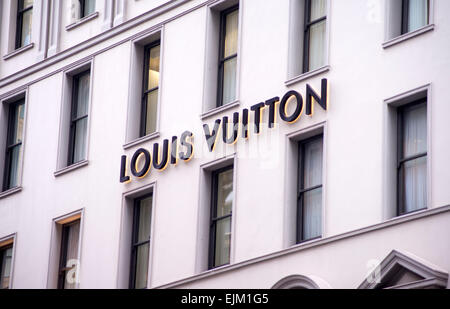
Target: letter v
{"x":211,"y":137}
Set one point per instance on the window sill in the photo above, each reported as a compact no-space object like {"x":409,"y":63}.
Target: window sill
{"x":407,"y":36}
{"x":10,"y":192}
{"x":82,"y":21}
{"x":18,"y":51}
{"x":307,"y":75}
{"x":219,"y":109}
{"x":71,"y":168}
{"x":141,"y":140}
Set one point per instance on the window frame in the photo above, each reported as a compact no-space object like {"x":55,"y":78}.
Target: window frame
{"x":222,"y":59}
{"x":405,"y":16}
{"x":73,"y":118}
{"x":83,"y":12}
{"x":62,"y":268}
{"x":10,"y":146}
{"x":301,"y":190}
{"x":213,"y":216}
{"x":145,"y":91}
{"x":134,"y":244}
{"x":308,"y":23}
{"x":2,"y":250}
{"x":19,"y":22}
{"x":402,"y":160}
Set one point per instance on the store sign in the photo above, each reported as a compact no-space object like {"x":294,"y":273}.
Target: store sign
{"x":182,"y":148}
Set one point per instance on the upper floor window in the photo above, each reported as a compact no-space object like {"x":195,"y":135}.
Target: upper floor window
{"x":87,"y":7}
{"x":150,"y":88}
{"x":14,"y":138}
{"x":79,"y":117}
{"x":315,"y":34}
{"x":140,"y":243}
{"x":309,"y":203}
{"x":415,"y":14}
{"x":412,"y":157}
{"x":24,"y":22}
{"x":221,"y":215}
{"x":229,"y":25}
{"x":5,"y":266}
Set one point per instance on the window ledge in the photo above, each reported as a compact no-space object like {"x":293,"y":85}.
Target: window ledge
{"x":219,"y":109}
{"x":141,"y":140}
{"x":407,"y":36}
{"x":71,"y":168}
{"x":81,"y":21}
{"x":18,"y":51}
{"x":307,"y":75}
{"x":10,"y":192}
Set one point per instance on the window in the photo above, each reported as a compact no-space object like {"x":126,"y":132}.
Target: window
{"x":5,"y":266}
{"x":229,"y":25}
{"x":79,"y":118}
{"x":150,"y":88}
{"x":315,"y":34}
{"x":14,"y":144}
{"x":412,"y":157}
{"x":67,"y":275}
{"x":309,"y":202}
{"x":87,"y":7}
{"x":140,"y":243}
{"x":221,"y":215}
{"x":24,"y":22}
{"x":414,"y":14}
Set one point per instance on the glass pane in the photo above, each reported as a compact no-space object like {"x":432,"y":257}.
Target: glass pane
{"x":415,"y":130}
{"x":14,"y":167}
{"x":231,"y":33}
{"x":27,"y":3}
{"x":72,"y":255}
{"x":414,"y":175}
{"x":83,"y":95}
{"x":229,"y":81}
{"x":18,"y":121}
{"x":145,"y":219}
{"x":152,"y":112}
{"x":318,"y":9}
{"x":5,"y":270}
{"x":153,"y":73}
{"x":142,"y":256}
{"x":26,"y":27}
{"x":312,"y":214}
{"x":223,"y":242}
{"x":79,"y":153}
{"x":224,"y":193}
{"x":317,"y":45}
{"x":418,"y":14}
{"x":89,"y":7}
{"x":312,"y":173}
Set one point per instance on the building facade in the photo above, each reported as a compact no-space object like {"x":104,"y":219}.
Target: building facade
{"x":224,"y":144}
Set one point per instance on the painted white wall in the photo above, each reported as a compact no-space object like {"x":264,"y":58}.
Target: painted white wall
{"x":362,"y":75}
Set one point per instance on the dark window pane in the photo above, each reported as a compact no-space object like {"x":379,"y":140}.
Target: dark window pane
{"x":79,"y":153}
{"x":312,"y":214}
{"x":83,"y":95}
{"x":312,"y":173}
{"x":225,"y":193}
{"x":26,"y":27}
{"x":5,"y":270}
{"x":15,"y":154}
{"x":145,"y":218}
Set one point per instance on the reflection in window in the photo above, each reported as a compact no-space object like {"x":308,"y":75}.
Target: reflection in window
{"x":24,"y":22}
{"x":5,"y":266}
{"x":415,"y":14}
{"x":221,"y":215}
{"x":315,"y":30}
{"x":150,"y":89}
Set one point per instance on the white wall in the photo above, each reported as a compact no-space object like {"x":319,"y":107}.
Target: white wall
{"x":362,"y":75}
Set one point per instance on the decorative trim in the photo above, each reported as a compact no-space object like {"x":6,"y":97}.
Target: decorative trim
{"x":301,"y":247}
{"x":82,"y":21}
{"x":307,"y":75}
{"x":71,"y":168}
{"x":431,"y":274}
{"x":10,"y":192}
{"x":141,"y":140}
{"x":18,"y":51}
{"x":408,"y":36}
{"x":296,"y":281}
{"x":219,"y":109}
